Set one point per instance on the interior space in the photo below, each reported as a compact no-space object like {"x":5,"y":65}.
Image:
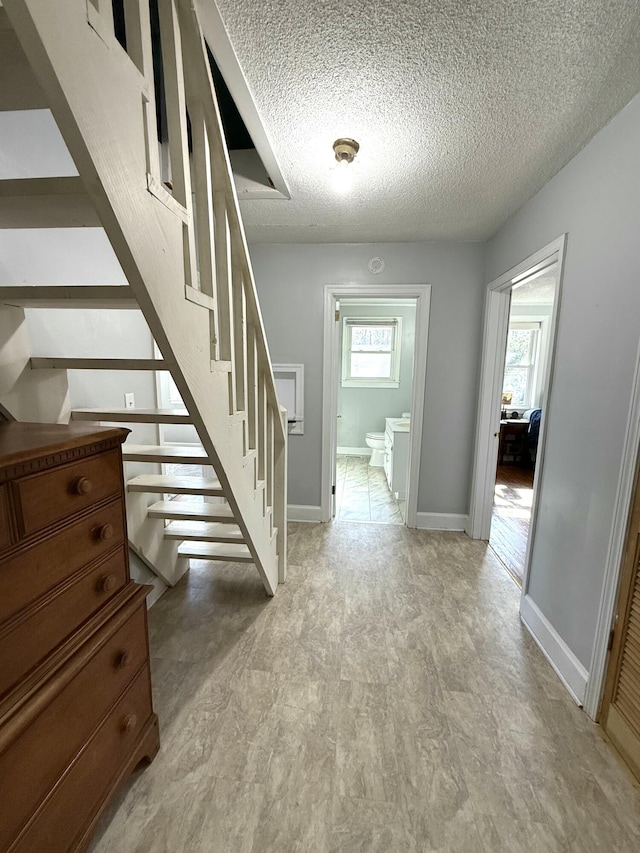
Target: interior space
{"x":319,"y":426}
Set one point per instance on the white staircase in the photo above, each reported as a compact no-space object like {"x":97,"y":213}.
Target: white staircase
{"x":170,"y":212}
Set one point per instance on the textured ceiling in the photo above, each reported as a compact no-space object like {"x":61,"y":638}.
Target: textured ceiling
{"x":463,"y":108}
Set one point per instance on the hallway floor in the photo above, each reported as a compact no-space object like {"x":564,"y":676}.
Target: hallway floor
{"x":387,"y":699}
{"x":362,"y":493}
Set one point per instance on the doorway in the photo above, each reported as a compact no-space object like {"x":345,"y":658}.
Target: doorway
{"x":523,"y":393}
{"x":491,"y":408}
{"x":373,"y":398}
{"x":620,"y":714}
{"x":376,"y":338}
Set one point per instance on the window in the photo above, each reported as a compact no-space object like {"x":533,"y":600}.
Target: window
{"x":371,"y":352}
{"x":520,"y":364}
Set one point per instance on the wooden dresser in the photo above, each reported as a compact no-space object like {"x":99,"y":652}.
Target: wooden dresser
{"x":75,"y":693}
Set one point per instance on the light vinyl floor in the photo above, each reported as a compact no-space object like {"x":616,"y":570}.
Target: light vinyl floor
{"x":387,"y":699}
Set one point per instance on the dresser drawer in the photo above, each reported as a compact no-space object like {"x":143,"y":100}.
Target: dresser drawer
{"x":28,"y":639}
{"x":30,"y":766}
{"x":5,"y":529}
{"x":42,"y":499}
{"x":81,"y":791}
{"x":28,"y":574}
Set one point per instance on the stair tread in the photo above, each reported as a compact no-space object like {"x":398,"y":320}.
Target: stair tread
{"x":60,"y":202}
{"x":203,"y":531}
{"x":68,"y":296}
{"x":98,"y":363}
{"x":175,"y":484}
{"x":183,"y":510}
{"x":167,"y":416}
{"x":226,"y":552}
{"x":165,"y":452}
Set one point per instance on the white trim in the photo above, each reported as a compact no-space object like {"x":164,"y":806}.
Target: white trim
{"x":332,"y":292}
{"x":295,"y":418}
{"x":615,"y":553}
{"x":218,"y":40}
{"x":354,"y":451}
{"x":441,"y":521}
{"x":569,"y":669}
{"x":302,"y":512}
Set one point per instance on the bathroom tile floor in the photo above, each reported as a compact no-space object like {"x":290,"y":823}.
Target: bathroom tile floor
{"x":387,"y":700}
{"x":362,"y":493}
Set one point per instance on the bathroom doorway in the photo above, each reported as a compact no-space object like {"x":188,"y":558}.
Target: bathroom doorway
{"x":375,"y":362}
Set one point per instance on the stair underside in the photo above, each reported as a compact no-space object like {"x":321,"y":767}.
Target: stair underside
{"x":225,"y":552}
{"x":98,"y":364}
{"x":20,"y":90}
{"x":179,"y":454}
{"x":46,"y":203}
{"x":164,"y":484}
{"x":133,"y":416}
{"x":68,"y":296}
{"x":184,"y":510}
{"x":200,"y":531}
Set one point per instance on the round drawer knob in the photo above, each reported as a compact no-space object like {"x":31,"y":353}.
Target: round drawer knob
{"x":107,"y":583}
{"x":123,"y":660}
{"x":82,"y":486}
{"x":105,"y":532}
{"x":129,"y":723}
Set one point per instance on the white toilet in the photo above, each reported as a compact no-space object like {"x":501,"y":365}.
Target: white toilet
{"x":375,"y":440}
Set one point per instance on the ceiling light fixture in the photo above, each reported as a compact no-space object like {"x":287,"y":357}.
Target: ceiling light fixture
{"x":345,"y":151}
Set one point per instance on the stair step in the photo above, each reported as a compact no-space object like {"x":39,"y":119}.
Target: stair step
{"x":68,"y":296}
{"x":186,"y":511}
{"x":180,"y":454}
{"x":133,"y":416}
{"x":46,"y":203}
{"x":203,"y":531}
{"x":98,"y":364}
{"x":175,"y":485}
{"x":227,"y":552}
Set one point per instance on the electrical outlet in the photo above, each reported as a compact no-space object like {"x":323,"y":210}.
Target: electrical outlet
{"x":129,"y":400}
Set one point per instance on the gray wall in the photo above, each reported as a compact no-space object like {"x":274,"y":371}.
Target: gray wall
{"x":363,"y":410}
{"x":290,"y":280}
{"x":595,"y":199}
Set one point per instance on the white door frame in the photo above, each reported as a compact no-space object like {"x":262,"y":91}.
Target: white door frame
{"x":615,"y":554}
{"x":333,"y":292}
{"x":494,"y":344}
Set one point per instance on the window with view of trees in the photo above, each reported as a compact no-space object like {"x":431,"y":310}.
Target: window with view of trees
{"x":371,"y":352}
{"x":520,"y":363}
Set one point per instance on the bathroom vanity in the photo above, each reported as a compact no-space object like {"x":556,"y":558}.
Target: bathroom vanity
{"x":396,"y":455}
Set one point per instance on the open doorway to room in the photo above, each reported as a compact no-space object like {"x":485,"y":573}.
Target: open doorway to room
{"x":374,"y":374}
{"x":523,"y":392}
{"x":521,"y":316}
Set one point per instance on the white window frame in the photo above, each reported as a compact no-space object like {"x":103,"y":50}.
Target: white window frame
{"x":533,"y":366}
{"x":393,"y":380}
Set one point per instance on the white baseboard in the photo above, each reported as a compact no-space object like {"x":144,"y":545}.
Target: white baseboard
{"x":302,"y":512}
{"x":354,"y":451}
{"x":441,"y":521}
{"x":569,"y":669}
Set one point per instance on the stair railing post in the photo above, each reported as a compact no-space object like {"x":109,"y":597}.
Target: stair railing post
{"x":280,"y":497}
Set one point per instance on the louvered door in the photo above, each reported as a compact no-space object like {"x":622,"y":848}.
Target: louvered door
{"x":620,"y":715}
